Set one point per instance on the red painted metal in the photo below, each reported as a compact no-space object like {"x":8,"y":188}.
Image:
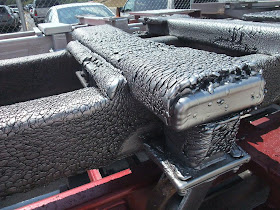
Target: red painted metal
{"x":261,"y":139}
{"x":108,"y":201}
{"x":117,"y":191}
{"x":94,"y":175}
{"x":129,"y":198}
{"x":77,"y":190}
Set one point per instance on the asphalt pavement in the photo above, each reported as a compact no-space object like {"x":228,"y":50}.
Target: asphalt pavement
{"x":29,"y":21}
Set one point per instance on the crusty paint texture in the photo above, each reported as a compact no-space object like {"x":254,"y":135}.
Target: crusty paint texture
{"x":267,"y":16}
{"x":245,"y":37}
{"x":73,"y":130}
{"x":159,"y":75}
{"x":58,"y":136}
{"x":242,"y":36}
{"x":26,"y":78}
{"x":195,"y":145}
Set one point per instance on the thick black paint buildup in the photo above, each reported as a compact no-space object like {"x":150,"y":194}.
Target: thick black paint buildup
{"x":62,"y":135}
{"x":267,"y":16}
{"x":159,"y":75}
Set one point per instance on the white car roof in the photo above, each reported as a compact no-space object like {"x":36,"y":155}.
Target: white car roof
{"x":63,"y":6}
{"x":75,"y":4}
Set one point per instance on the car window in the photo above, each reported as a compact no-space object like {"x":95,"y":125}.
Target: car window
{"x":129,"y":6}
{"x":51,"y":17}
{"x":3,"y":10}
{"x":9,"y":10}
{"x":142,"y":5}
{"x":13,"y":6}
{"x":68,"y":15}
{"x":47,"y":19}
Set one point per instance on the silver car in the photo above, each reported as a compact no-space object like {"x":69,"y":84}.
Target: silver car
{"x":14,"y":7}
{"x":67,"y":13}
{"x":8,"y":20}
{"x":40,"y":9}
{"x":143,"y":5}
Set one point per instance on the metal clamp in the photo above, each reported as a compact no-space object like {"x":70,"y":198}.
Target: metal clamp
{"x":185,"y":178}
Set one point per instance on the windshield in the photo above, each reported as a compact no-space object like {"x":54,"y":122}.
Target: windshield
{"x":13,"y":6}
{"x":142,"y":5}
{"x":45,"y":3}
{"x":68,"y":15}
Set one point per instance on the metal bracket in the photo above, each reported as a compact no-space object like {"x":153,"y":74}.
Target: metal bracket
{"x":185,"y":178}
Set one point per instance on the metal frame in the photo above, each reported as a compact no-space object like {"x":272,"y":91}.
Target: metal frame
{"x":41,"y":40}
{"x":235,"y":9}
{"x":205,"y":106}
{"x":184,"y":178}
{"x":104,"y":191}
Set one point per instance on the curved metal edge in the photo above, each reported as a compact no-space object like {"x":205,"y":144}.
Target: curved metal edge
{"x":203,"y":106}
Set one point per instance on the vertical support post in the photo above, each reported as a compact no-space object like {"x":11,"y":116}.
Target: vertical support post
{"x":161,"y":197}
{"x":191,"y":2}
{"x":21,"y":15}
{"x":195,"y":196}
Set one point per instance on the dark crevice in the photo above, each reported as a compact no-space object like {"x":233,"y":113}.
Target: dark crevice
{"x":29,"y":80}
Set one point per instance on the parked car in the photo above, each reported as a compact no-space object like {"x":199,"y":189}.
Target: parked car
{"x":28,"y":7}
{"x":31,"y":11}
{"x":14,"y":7}
{"x":9,"y":21}
{"x":67,"y":13}
{"x":15,"y":11}
{"x":40,"y":9}
{"x":143,"y":5}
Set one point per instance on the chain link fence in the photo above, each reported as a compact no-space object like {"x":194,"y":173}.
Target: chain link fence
{"x":23,"y":15}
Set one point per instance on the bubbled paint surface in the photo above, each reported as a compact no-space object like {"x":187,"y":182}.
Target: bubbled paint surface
{"x":26,"y":78}
{"x":197,"y":144}
{"x":158,"y":74}
{"x":267,"y":16}
{"x":242,"y":36}
{"x":58,"y":136}
{"x":62,"y":135}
